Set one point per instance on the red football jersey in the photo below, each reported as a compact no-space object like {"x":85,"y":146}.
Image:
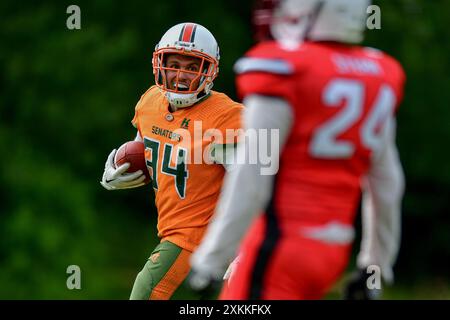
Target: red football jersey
{"x":343,"y":98}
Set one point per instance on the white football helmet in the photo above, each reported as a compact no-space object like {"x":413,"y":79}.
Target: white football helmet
{"x":189,"y":39}
{"x":293,"y":21}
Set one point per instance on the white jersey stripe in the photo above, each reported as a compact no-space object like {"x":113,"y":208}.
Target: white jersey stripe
{"x":276,"y":66}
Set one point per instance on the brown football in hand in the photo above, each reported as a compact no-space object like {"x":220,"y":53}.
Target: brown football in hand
{"x":134,"y":153}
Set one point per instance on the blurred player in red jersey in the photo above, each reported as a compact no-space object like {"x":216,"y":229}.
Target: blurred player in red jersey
{"x":334,"y":104}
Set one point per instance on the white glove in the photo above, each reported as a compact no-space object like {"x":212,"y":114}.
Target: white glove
{"x":116,"y":178}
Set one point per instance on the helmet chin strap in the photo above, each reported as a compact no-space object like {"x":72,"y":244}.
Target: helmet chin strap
{"x":184,"y":100}
{"x":179,"y":100}
{"x":172,"y":108}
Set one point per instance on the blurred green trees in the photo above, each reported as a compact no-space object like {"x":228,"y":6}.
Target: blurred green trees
{"x":67,"y":98}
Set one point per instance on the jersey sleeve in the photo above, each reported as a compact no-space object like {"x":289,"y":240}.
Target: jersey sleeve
{"x":398,"y":75}
{"x":229,"y":124}
{"x":265,"y":76}
{"x":135,"y":120}
{"x":401,"y":86}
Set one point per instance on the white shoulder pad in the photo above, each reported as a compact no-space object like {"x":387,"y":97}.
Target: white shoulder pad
{"x":276,"y":66}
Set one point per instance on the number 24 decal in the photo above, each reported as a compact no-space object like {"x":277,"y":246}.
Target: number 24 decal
{"x":324,"y":142}
{"x":179,"y":171}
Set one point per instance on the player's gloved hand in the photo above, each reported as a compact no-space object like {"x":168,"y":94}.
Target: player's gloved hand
{"x":116,"y":178}
{"x":203,"y":284}
{"x":357,"y":288}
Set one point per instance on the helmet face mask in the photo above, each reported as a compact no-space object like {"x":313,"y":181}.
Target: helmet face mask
{"x":207,"y":71}
{"x":189,"y":42}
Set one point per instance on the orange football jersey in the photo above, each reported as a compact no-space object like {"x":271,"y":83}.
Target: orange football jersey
{"x":186,"y":184}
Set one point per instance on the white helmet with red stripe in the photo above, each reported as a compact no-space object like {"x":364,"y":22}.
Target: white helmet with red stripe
{"x":193,"y":40}
{"x":292,"y":21}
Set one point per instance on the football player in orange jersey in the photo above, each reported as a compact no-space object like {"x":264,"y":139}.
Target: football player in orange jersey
{"x":168,"y":115}
{"x":334,"y":103}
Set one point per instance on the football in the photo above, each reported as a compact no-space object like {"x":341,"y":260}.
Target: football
{"x":134,"y":153}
